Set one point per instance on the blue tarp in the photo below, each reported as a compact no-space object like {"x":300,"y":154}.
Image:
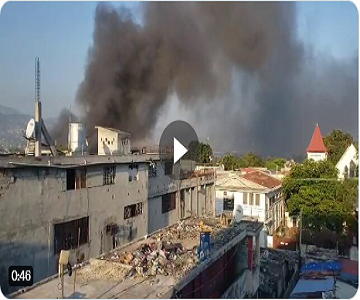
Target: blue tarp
{"x":321,"y":266}
{"x":313,"y":285}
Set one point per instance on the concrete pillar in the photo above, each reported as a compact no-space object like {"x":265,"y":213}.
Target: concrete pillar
{"x":257,"y":250}
{"x":250,"y":252}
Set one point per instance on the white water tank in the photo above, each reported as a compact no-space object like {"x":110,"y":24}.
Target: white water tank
{"x":77,"y":138}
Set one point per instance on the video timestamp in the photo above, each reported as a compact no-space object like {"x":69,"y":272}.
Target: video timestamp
{"x":21,"y":275}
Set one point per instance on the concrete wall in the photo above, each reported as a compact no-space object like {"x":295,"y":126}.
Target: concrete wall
{"x":350,"y":155}
{"x":110,"y":143}
{"x":317,"y":156}
{"x":37,"y":199}
{"x":199,"y":195}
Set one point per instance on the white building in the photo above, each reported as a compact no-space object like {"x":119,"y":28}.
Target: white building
{"x":317,"y":150}
{"x":113,"y":141}
{"x":259,"y":195}
{"x":347,"y":163}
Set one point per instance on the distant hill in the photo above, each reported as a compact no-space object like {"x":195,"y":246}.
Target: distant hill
{"x":8,"y":110}
{"x":12,"y":128}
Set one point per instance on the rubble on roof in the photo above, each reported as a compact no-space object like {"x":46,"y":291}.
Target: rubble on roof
{"x":171,"y":251}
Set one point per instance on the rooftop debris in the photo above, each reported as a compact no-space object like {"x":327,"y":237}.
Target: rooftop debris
{"x":171,"y":251}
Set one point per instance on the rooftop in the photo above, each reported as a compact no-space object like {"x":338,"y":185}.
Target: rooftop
{"x":317,"y":143}
{"x":252,"y":179}
{"x":120,"y":132}
{"x":71,"y":161}
{"x":151,"y":267}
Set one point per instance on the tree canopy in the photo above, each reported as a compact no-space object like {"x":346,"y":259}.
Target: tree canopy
{"x":326,"y":202}
{"x":336,"y":143}
{"x":232,"y":162}
{"x":205,"y":155}
{"x":276,"y":163}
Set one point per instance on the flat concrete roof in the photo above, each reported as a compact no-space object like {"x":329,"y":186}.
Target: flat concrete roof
{"x":71,"y":161}
{"x":116,"y":275}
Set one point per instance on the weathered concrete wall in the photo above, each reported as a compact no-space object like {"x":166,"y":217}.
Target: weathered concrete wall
{"x":37,"y":199}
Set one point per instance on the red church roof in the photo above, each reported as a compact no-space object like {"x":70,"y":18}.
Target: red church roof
{"x":317,"y":143}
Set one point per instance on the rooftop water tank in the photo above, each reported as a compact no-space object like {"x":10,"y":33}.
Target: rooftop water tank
{"x":77,"y":138}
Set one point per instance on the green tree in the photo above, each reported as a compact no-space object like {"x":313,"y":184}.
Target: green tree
{"x":275,"y":163}
{"x":336,"y":143}
{"x":250,"y":160}
{"x":230,"y":162}
{"x":325,"y":201}
{"x":205,"y":153}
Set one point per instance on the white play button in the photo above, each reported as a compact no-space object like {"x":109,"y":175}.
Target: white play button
{"x":179,"y":150}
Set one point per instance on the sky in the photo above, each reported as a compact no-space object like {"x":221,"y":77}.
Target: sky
{"x":60,"y":33}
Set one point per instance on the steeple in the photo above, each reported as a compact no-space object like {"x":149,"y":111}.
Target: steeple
{"x":317,"y":143}
{"x":317,"y":150}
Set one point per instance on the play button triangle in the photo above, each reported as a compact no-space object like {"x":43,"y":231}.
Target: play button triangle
{"x":179,"y":150}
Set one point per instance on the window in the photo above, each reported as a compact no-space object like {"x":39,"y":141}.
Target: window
{"x":168,"y":167}
{"x":228,"y":201}
{"x":75,"y":179}
{"x":182,"y":195}
{"x":152,"y":170}
{"x":168,"y":202}
{"x":70,"y":235}
{"x":133,"y":210}
{"x":109,"y":175}
{"x":133,"y":172}
{"x":245,"y":198}
{"x":257,"y":199}
{"x":251,"y":199}
{"x":70,"y":179}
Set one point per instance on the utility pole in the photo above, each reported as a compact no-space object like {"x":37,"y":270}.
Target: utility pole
{"x":300,"y":229}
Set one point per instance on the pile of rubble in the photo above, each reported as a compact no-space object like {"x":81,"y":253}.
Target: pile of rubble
{"x":157,"y":258}
{"x":171,"y":251}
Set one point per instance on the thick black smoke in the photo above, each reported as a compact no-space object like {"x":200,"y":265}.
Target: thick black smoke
{"x":199,"y":52}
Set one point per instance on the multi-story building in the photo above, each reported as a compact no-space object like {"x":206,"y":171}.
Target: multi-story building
{"x":259,"y":195}
{"x":89,"y":205}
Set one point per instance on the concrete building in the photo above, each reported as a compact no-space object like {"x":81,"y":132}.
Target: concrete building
{"x":172,"y":268}
{"x":86,"y":204}
{"x":348,"y":163}
{"x":112,"y":141}
{"x":259,"y":195}
{"x":317,"y":150}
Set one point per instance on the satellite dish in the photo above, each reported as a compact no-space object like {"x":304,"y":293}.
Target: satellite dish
{"x":238,"y":213}
{"x":30,"y":128}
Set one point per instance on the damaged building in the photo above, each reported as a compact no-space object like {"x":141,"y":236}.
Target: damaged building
{"x":166,"y":264}
{"x":88,"y":204}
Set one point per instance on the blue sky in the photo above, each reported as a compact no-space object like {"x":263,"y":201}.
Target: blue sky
{"x":60,"y":33}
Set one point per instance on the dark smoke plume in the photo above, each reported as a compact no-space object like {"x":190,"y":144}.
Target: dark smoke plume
{"x":61,"y":130}
{"x":199,"y":52}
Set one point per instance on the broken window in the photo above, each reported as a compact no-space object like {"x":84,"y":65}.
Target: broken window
{"x":257,"y":199}
{"x":168,"y":167}
{"x":168,"y":202}
{"x":245,"y":198}
{"x":109,"y":175}
{"x":70,"y":235}
{"x":133,"y":210}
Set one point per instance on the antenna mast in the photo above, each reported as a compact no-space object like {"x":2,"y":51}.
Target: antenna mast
{"x":37,"y":79}
{"x":38,"y":117}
